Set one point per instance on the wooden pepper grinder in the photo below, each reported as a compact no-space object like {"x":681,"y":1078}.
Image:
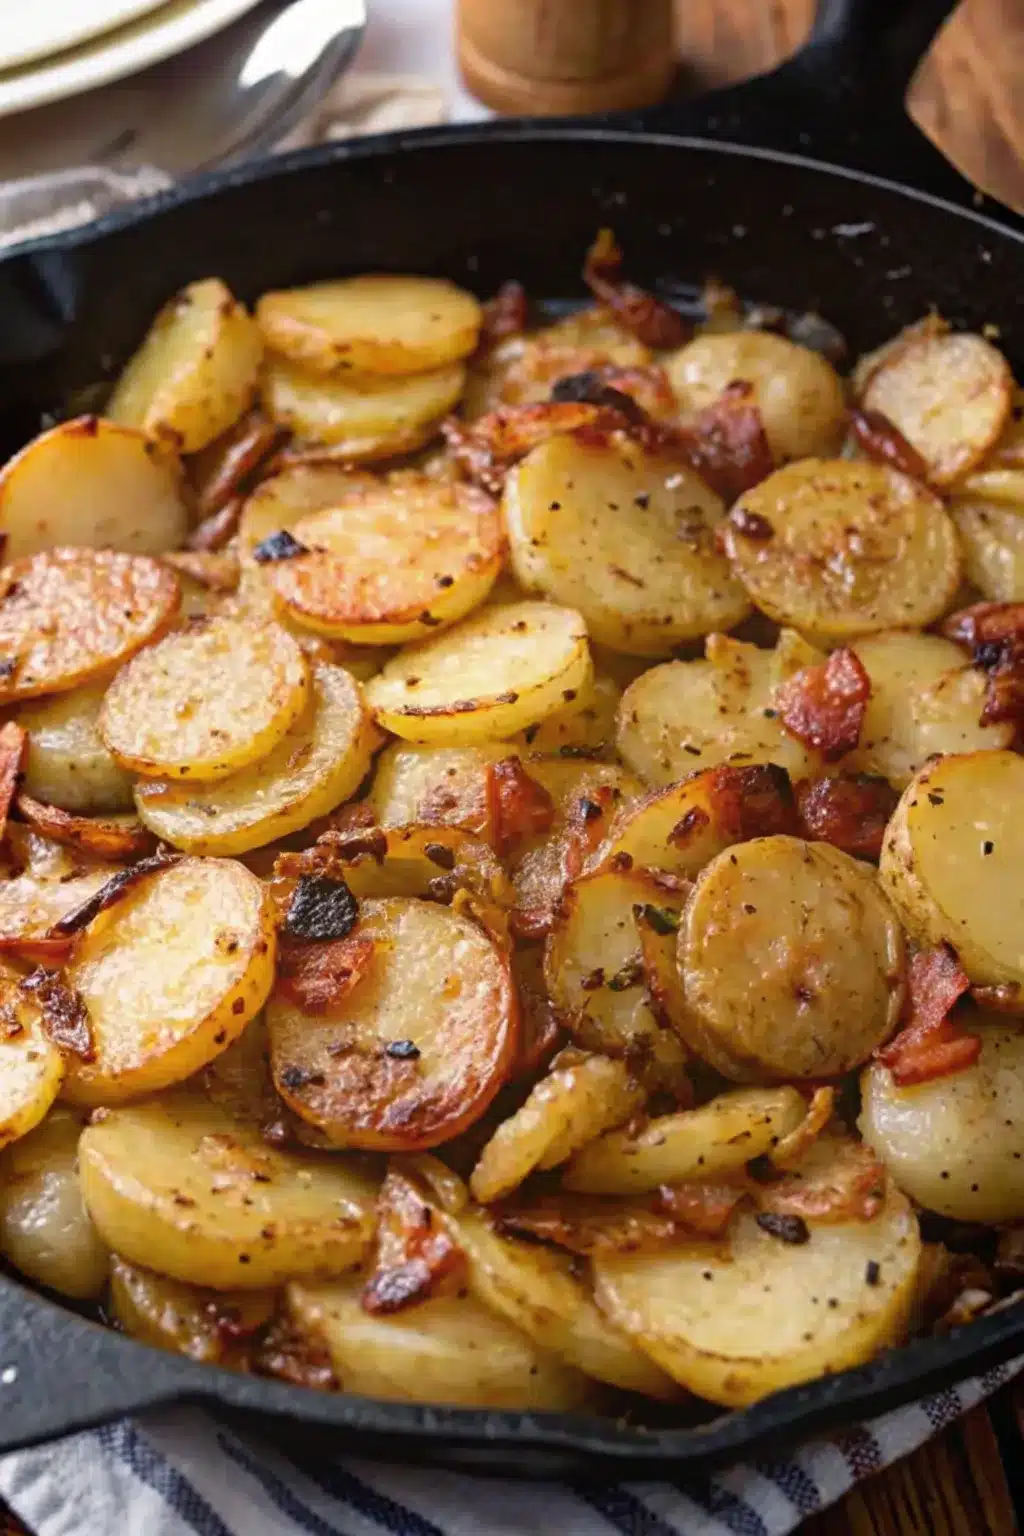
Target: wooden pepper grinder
{"x":552,"y":57}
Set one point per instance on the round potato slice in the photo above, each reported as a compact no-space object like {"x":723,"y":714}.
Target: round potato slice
{"x":170,"y":975}
{"x":675,"y":830}
{"x":206,"y":701}
{"x":585,"y":726}
{"x":523,"y":369}
{"x":416,"y":1050}
{"x":496,"y":673}
{"x":33,"y":901}
{"x":792,"y":962}
{"x":950,"y":395}
{"x":31,"y":1068}
{"x":734,"y":1326}
{"x":367,"y":418}
{"x":992,"y":536}
{"x":67,"y":762}
{"x":712,"y":1142}
{"x":213,"y":1326}
{"x":91,"y":483}
{"x":181,"y":1187}
{"x":319,"y":763}
{"x":798,"y":394}
{"x":840,"y":549}
{"x":68,"y":615}
{"x":951,"y":861}
{"x":627,"y":539}
{"x":442,"y":786}
{"x":373,"y":324}
{"x":45,"y":1230}
{"x":195,"y":374}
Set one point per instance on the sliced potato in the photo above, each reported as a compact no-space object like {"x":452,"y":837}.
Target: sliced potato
{"x":170,"y":975}
{"x":950,"y":395}
{"x":282,"y":501}
{"x":117,"y":838}
{"x":91,"y":483}
{"x":319,"y":763}
{"x":496,"y":673}
{"x":183,"y":1188}
{"x":584,"y":725}
{"x":67,"y":763}
{"x":523,"y":369}
{"x":840,"y":549}
{"x":951,"y":861}
{"x":675,"y":830}
{"x":195,"y":374}
{"x":34,"y":901}
{"x":443,"y":786}
{"x":433,"y":863}
{"x":734,"y":1326}
{"x":713,"y":1142}
{"x":367,"y":418}
{"x":792,"y":962}
{"x":185,"y":1319}
{"x":45,"y":1231}
{"x":206,"y":701}
{"x":624,"y":537}
{"x":992,"y":536}
{"x":448,"y":1350}
{"x":798,"y":394}
{"x":31,"y":1068}
{"x":69,"y":615}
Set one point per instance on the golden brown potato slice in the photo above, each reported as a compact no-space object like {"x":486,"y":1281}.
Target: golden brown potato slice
{"x":69,"y":615}
{"x":585,"y":725}
{"x":840,"y":549}
{"x":992,"y":536}
{"x":792,"y":962}
{"x":67,"y":763}
{"x":367,"y":418}
{"x":33,"y":901}
{"x":798,"y":394}
{"x":95,"y":484}
{"x":372,"y":324}
{"x":214,"y":1326}
{"x":170,"y":975}
{"x":496,"y":673}
{"x":950,"y":395}
{"x":680,"y":829}
{"x":45,"y":1230}
{"x":182,"y":1187}
{"x":115,"y":838}
{"x":31,"y":1067}
{"x":522,"y":369}
{"x":951,"y":860}
{"x":624,"y":537}
{"x":206,"y":701}
{"x":195,"y":374}
{"x":316,"y":766}
{"x":736,"y":1325}
{"x":443,"y":786}
{"x":416,"y":1049}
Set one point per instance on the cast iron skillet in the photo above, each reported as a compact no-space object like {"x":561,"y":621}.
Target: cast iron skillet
{"x":871,"y":246}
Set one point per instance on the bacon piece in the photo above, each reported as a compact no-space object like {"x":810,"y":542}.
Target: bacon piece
{"x":850,"y":1187}
{"x":541,"y":1027}
{"x":994,"y":632}
{"x":931,"y":1044}
{"x":726,"y":443}
{"x":824,"y":706}
{"x":985,"y":624}
{"x":507,"y":314}
{"x":415,"y":1252}
{"x":218,"y":529}
{"x":319,"y":977}
{"x":103,"y":839}
{"x":115,"y":888}
{"x":751,"y":801}
{"x":65,"y":1016}
{"x":650,"y":320}
{"x":518,"y":806}
{"x":41,"y":950}
{"x":13,"y":745}
{"x":352,"y":819}
{"x":1006,"y":997}
{"x":217,"y":571}
{"x":638,"y":392}
{"x":486,"y":451}
{"x":592,"y":1224}
{"x":227,"y":468}
{"x":881,"y":440}
{"x":851,"y":814}
{"x":703,"y":1208}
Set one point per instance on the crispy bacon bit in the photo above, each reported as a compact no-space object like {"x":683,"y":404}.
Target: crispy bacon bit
{"x":357,"y":817}
{"x":218,"y":529}
{"x":592,"y":1224}
{"x":788,"y":1229}
{"x":638,"y":392}
{"x":824,"y":706}
{"x":322,"y":908}
{"x":115,"y":888}
{"x":591,"y":388}
{"x":931,"y":1044}
{"x":586,"y":825}
{"x":793,"y":1147}
{"x":754,"y":801}
{"x":319,"y":977}
{"x":217,"y":572}
{"x":13,"y":745}
{"x":985,"y":624}
{"x":127,"y":839}
{"x":541,"y":1030}
{"x":849,"y":1187}
{"x":518,"y":805}
{"x":851,"y":814}
{"x":994,"y":632}
{"x":415,"y":1252}
{"x":42,"y":950}
{"x":278,"y":546}
{"x":703,"y":1208}
{"x":881,"y":440}
{"x":227,"y":468}
{"x":729,"y":448}
{"x":486,"y":451}
{"x":507,"y":314}
{"x":1007,"y":998}
{"x":65,"y":1016}
{"x":650,"y":320}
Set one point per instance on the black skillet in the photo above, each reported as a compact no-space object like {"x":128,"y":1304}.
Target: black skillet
{"x":871,"y":246}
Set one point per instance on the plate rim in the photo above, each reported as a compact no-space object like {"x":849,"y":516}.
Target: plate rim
{"x":84,"y":25}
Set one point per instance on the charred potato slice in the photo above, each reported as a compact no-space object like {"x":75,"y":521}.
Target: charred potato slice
{"x":367,"y":418}
{"x":992,"y":536}
{"x":183,"y":1188}
{"x":45,"y":1229}
{"x":186,"y":1320}
{"x":170,"y":975}
{"x":67,"y":762}
{"x":523,"y":369}
{"x":196,"y":372}
{"x":429,"y":862}
{"x":31,"y":1067}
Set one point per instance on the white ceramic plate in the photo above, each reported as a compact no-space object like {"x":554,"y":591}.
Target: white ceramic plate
{"x":149,"y":38}
{"x":50,"y":26}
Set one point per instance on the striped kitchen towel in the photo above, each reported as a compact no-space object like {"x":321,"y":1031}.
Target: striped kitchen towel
{"x":180,"y":1473}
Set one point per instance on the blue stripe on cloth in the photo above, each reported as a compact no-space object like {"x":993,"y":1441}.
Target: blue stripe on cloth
{"x":279,"y":1494}
{"x":625,"y":1511}
{"x":733,"y":1512}
{"x":124,"y":1441}
{"x":799,"y":1487}
{"x":344,"y":1486}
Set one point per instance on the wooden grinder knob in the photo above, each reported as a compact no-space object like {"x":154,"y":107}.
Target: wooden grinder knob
{"x":554,"y":57}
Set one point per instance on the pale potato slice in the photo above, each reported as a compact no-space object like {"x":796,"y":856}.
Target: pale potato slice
{"x":373,"y":324}
{"x":797,"y":392}
{"x":792,"y":962}
{"x":181,"y":1187}
{"x":713,"y":1142}
{"x":92,"y":483}
{"x":67,"y":763}
{"x":447,"y":1350}
{"x":207,"y":701}
{"x":32,"y":902}
{"x":950,"y":395}
{"x":185,"y":1319}
{"x":415,"y":1051}
{"x":624,"y":537}
{"x":68,"y":615}
{"x":925,"y":700}
{"x":321,"y":761}
{"x":992,"y":536}
{"x":496,"y":673}
{"x":279,"y":503}
{"x":536,"y":1290}
{"x":31,"y":1067}
{"x":579,"y":1098}
{"x":383,"y":561}
{"x":951,"y":861}
{"x":196,"y":372}
{"x":585,"y":724}
{"x":366,"y":418}
{"x":170,"y":975}
{"x":736,"y":1325}
{"x":443,"y":786}
{"x":956,"y":1144}
{"x":840,"y":549}
{"x":45,"y":1230}
{"x":687,"y":715}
